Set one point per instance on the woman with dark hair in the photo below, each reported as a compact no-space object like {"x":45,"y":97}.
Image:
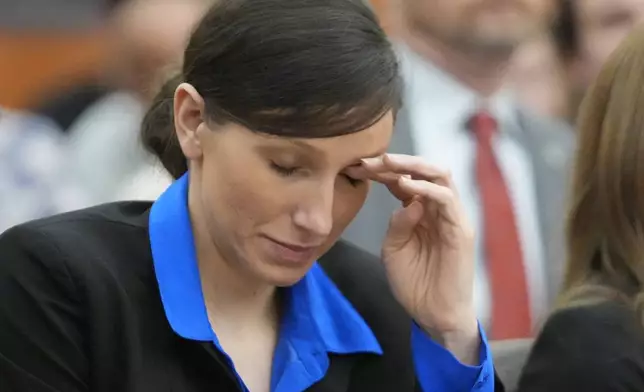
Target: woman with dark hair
{"x":233,"y":280}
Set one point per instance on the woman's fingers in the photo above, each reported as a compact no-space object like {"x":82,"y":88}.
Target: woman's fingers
{"x":433,"y":193}
{"x":440,"y":194}
{"x":414,"y":166}
{"x":407,"y":189}
{"x":389,"y":179}
{"x":387,"y":169}
{"x":410,"y":178}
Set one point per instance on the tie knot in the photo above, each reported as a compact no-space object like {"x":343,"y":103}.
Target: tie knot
{"x":483,"y":125}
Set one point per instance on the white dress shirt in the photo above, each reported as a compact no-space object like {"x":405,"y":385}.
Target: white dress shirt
{"x":439,"y":108}
{"x":107,"y":155}
{"x":34,"y":182}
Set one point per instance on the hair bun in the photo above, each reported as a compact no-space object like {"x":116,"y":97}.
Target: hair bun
{"x":157,"y":129}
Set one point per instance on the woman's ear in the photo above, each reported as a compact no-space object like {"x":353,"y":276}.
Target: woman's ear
{"x":189,"y":115}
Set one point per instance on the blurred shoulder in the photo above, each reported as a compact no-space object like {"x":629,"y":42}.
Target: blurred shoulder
{"x":590,"y":346}
{"x":588,"y":321}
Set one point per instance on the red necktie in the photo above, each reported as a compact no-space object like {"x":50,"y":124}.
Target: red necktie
{"x":510,"y":304}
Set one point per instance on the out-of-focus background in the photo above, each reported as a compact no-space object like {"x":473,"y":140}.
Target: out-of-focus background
{"x":76,"y":77}
{"x":47,"y":46}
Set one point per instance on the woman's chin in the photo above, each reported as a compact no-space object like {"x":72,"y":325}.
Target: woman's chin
{"x":280,"y":275}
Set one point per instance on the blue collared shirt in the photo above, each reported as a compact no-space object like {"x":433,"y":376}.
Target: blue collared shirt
{"x":317,"y":320}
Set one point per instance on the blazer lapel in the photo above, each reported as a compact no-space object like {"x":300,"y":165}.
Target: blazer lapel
{"x":338,"y":377}
{"x":549,"y":164}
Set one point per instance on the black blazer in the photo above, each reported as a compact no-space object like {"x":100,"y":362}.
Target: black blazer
{"x":80,"y":311}
{"x":597,"y":348}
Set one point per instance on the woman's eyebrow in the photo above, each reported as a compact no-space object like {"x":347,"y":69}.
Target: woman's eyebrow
{"x":293,"y":148}
{"x":305,"y":146}
{"x":285,"y":143}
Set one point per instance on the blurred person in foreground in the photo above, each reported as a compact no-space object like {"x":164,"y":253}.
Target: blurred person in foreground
{"x":594,"y":341}
{"x":216,"y":285}
{"x":33,"y":178}
{"x":587,"y":32}
{"x":508,"y":165}
{"x":145,"y":39}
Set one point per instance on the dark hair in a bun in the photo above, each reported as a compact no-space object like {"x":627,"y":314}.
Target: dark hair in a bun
{"x":157,"y":130}
{"x":305,"y":68}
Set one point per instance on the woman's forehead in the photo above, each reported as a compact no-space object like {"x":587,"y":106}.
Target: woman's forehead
{"x":370,"y":142}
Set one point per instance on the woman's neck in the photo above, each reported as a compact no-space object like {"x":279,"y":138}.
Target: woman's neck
{"x":230,"y":294}
{"x":233,"y":297}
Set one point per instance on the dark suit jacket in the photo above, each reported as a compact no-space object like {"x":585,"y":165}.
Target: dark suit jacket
{"x":80,"y":311}
{"x":597,"y":348}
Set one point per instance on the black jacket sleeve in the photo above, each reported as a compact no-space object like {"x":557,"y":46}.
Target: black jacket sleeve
{"x":594,"y":348}
{"x":41,"y":320}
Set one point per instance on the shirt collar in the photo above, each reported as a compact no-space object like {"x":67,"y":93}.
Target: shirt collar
{"x":436,"y":89}
{"x":315,"y":309}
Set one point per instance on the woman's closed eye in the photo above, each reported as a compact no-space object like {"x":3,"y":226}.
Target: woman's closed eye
{"x":287,"y":171}
{"x":353,"y":181}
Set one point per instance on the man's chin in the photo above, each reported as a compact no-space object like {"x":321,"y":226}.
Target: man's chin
{"x":507,"y":39}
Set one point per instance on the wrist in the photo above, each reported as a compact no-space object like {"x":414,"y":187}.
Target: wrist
{"x":464,"y":341}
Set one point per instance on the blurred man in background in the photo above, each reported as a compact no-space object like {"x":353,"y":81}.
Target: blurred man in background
{"x":587,"y":32}
{"x":538,"y":77}
{"x":147,"y":37}
{"x":507,"y":165}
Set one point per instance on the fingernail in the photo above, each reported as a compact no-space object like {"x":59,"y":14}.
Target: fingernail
{"x":393,"y":158}
{"x":358,"y":172}
{"x":370,"y":161}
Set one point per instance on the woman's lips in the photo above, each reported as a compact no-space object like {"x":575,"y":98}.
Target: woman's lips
{"x":291,"y":253}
